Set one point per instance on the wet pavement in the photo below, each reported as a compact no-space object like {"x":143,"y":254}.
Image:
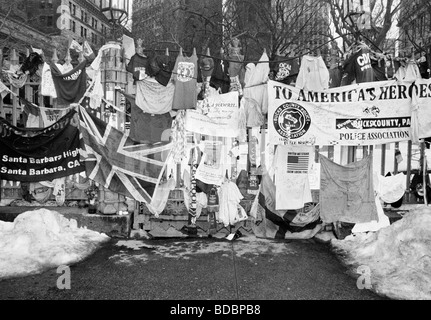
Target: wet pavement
{"x":205,"y":268}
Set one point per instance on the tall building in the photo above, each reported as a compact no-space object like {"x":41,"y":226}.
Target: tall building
{"x":77,"y":19}
{"x":279,"y":26}
{"x":415,"y":26}
{"x":16,"y":33}
{"x":170,"y":24}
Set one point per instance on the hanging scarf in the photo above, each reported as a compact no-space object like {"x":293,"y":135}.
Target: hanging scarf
{"x":193,"y":204}
{"x":179,"y":139}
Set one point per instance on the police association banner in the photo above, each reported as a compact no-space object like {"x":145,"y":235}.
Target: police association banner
{"x":360,"y":114}
{"x":422,"y":105}
{"x":221,"y":118}
{"x":32,"y":155}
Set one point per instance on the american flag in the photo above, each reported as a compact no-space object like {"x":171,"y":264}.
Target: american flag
{"x":115,"y":161}
{"x":297,"y":162}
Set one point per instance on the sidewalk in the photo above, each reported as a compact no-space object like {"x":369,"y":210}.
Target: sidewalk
{"x":247,"y":268}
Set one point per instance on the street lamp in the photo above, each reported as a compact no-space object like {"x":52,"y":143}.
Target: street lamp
{"x":116,"y":11}
{"x":113,"y":74}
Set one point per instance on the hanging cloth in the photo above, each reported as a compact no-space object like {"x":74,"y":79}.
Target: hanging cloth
{"x":255,"y":79}
{"x":16,"y":77}
{"x":47,"y":86}
{"x":70,"y":86}
{"x":229,"y":199}
{"x":358,"y":66}
{"x":408,"y":71}
{"x":153,"y":97}
{"x":179,"y":139}
{"x":160,"y":198}
{"x":292,"y":166}
{"x":313,"y":74}
{"x":185,"y":73}
{"x":193,"y":204}
{"x":347,"y":192}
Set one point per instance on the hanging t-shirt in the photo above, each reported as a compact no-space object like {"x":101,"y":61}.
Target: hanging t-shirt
{"x":220,"y":78}
{"x":423,"y":67}
{"x":285,"y":69}
{"x":148,"y":128}
{"x":229,"y":199}
{"x":408,"y":71}
{"x":185,"y":75}
{"x":137,"y":66}
{"x":292,"y":165}
{"x":347,"y":192}
{"x":256,"y":78}
{"x":358,"y":67}
{"x":154,"y":98}
{"x":313,"y":74}
{"x":70,"y":86}
{"x":379,"y":67}
{"x":47,"y":86}
{"x":334,"y":77}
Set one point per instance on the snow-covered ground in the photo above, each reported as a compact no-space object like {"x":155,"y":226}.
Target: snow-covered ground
{"x":42,"y":239}
{"x":396,"y":260}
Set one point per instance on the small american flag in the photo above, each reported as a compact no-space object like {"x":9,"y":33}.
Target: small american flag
{"x":297,"y":162}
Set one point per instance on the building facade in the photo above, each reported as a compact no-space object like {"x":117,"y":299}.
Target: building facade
{"x":190,"y":24}
{"x":415,"y":27}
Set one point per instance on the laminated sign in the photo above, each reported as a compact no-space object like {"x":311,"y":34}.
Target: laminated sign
{"x":360,"y":114}
{"x":222,"y":120}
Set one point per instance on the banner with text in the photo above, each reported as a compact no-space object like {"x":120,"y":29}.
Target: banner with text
{"x":221,"y":119}
{"x":360,"y":114}
{"x":32,"y":155}
{"x":422,"y":104}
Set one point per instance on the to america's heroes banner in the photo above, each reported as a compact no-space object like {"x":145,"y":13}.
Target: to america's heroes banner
{"x":360,"y":114}
{"x":32,"y":155}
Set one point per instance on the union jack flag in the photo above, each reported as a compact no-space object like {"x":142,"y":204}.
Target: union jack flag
{"x":115,"y":161}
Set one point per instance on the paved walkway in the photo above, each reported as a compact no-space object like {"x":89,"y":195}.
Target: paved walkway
{"x":199,"y":269}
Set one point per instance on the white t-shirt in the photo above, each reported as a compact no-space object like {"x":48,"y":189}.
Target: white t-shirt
{"x":292,"y":164}
{"x":154,"y":98}
{"x":47,"y":87}
{"x":229,"y":199}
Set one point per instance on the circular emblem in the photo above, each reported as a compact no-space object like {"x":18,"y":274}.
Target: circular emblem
{"x":291,"y":120}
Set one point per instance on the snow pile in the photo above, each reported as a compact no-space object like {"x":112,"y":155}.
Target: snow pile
{"x":42,"y":239}
{"x":398,"y":257}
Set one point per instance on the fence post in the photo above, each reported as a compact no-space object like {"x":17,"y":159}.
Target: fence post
{"x":54,"y":59}
{"x":14,"y":61}
{"x":409,"y":168}
{"x":2,"y":113}
{"x":383,"y":160}
{"x":397,"y":146}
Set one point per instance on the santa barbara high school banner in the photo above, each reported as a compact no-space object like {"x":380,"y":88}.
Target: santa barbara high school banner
{"x":32,"y":155}
{"x":360,"y":114}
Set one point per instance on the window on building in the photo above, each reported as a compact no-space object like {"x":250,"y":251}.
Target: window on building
{"x":42,"y":4}
{"x":72,"y":26}
{"x":50,"y":5}
{"x":49,"y":21}
{"x":83,"y":32}
{"x":42,"y":20}
{"x":73,"y":9}
{"x":94,"y":38}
